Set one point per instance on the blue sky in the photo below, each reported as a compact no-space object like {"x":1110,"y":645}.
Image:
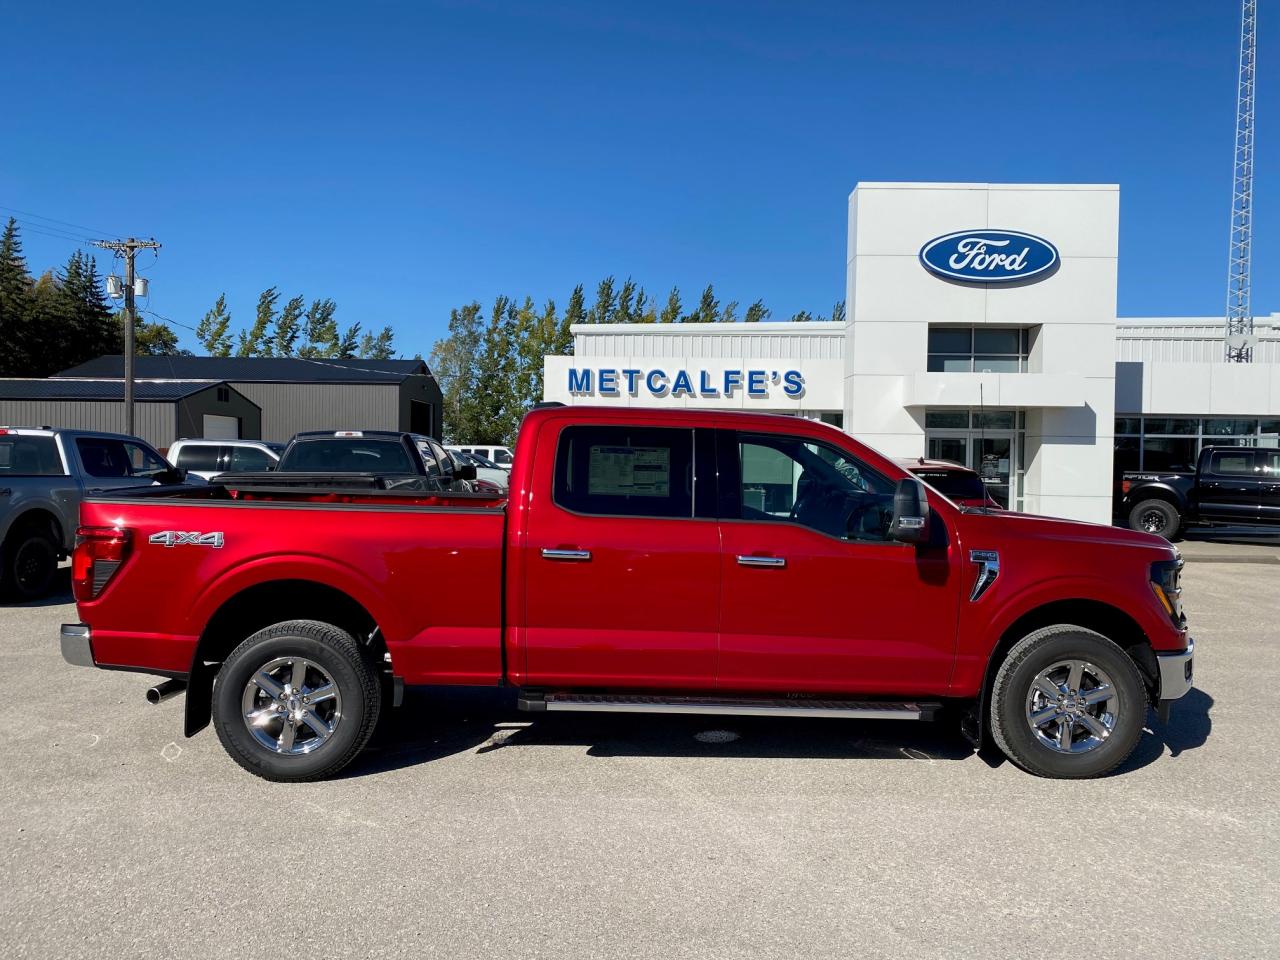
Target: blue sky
{"x":407,"y":158}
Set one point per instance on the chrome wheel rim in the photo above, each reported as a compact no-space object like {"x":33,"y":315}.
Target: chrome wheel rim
{"x":1153,"y":521}
{"x":291,"y":706}
{"x":1071,"y":707}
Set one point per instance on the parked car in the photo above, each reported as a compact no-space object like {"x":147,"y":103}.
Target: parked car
{"x":690,"y":562}
{"x":416,"y":461}
{"x":208,"y":458}
{"x":1230,"y":485}
{"x":487,"y":472}
{"x":43,"y":475}
{"x":502,"y":456}
{"x":956,"y":482}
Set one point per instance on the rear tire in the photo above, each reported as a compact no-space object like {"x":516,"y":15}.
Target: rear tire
{"x":1156,"y":516}
{"x":30,"y":562}
{"x":296,"y":701}
{"x":1067,"y":703}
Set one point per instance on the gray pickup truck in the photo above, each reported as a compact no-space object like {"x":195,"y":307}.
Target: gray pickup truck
{"x":43,"y":475}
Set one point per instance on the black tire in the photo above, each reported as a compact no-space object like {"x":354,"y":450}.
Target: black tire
{"x":30,"y":563}
{"x":330,"y":651}
{"x":1011,"y":705}
{"x":1156,"y":516}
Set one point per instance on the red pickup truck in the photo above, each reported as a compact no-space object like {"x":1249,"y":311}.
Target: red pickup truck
{"x":642,"y":561}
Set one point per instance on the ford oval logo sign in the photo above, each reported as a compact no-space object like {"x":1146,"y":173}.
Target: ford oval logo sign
{"x":989,"y":256}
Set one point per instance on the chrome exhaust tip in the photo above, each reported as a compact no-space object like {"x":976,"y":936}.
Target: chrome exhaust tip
{"x":165,"y":690}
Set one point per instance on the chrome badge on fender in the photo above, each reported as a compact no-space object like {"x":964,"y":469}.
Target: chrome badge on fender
{"x":178,"y":538}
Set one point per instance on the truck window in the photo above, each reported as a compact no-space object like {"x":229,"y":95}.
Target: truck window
{"x":108,"y":458}
{"x":250,"y":459}
{"x":29,"y":457}
{"x":956,"y":484}
{"x":199,"y":456}
{"x":625,"y":471}
{"x":1270,"y":462}
{"x":1231,"y":464}
{"x":501,"y":456}
{"x":794,"y":480}
{"x":347,"y":455}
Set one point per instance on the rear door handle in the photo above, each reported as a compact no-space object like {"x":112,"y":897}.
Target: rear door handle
{"x":748,"y":561}
{"x":549,"y":554}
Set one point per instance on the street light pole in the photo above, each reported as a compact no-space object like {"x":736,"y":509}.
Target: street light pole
{"x":129,"y":250}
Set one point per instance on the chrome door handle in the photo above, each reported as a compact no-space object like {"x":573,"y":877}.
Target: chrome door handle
{"x":549,"y":554}
{"x":747,"y":561}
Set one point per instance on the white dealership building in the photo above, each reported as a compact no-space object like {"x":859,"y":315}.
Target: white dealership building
{"x":980,"y":327}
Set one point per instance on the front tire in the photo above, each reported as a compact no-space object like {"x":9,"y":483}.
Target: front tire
{"x":1156,"y":516}
{"x":1067,"y":703}
{"x":296,"y":701}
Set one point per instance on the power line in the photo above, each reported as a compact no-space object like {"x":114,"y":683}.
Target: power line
{"x":65,"y":223}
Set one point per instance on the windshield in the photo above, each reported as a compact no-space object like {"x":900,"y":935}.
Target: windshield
{"x":347,"y":455}
{"x":954,"y":484}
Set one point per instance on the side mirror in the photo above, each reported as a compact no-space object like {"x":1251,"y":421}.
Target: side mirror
{"x":910,"y":513}
{"x":172,"y":475}
{"x":464,"y":471}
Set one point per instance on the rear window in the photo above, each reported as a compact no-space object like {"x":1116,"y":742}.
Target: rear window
{"x":625,"y":471}
{"x":29,"y":457}
{"x":108,"y":458}
{"x":956,"y":484}
{"x":347,"y":455}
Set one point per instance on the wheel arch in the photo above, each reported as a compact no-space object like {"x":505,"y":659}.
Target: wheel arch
{"x":1104,"y":618}
{"x":261,"y":605}
{"x":35,"y":517}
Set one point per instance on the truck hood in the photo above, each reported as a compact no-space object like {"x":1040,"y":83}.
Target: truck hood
{"x":1003,"y":524}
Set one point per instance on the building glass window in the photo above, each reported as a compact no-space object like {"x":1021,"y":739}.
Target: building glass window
{"x":946,"y":419}
{"x":1174,"y":443}
{"x":1219,"y":426}
{"x":978,"y":349}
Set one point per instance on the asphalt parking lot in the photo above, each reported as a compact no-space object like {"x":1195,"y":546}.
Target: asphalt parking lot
{"x":467,"y":831}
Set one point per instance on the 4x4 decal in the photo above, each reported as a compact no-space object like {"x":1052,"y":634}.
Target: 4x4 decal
{"x":178,"y":538}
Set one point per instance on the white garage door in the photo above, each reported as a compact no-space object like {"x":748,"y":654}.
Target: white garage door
{"x":221,"y":428}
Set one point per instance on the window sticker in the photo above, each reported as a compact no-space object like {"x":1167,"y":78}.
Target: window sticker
{"x":629,"y":471}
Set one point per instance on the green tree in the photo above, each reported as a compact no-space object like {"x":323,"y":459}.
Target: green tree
{"x":575,"y":313}
{"x":626,"y":303}
{"x":837,"y":312}
{"x":378,"y":346}
{"x":17,"y":338}
{"x":495,"y":380}
{"x":606,"y":305}
{"x":803,"y":316}
{"x":213,"y":330}
{"x":288,"y":328}
{"x":757,"y":313}
{"x":729,"y":312}
{"x":254,"y":342}
{"x":708,"y":308}
{"x":671,"y":312}
{"x":321,"y":331}
{"x":155,"y":340}
{"x":453,"y":362}
{"x":349,"y":344}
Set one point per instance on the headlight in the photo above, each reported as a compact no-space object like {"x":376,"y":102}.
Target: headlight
{"x":1166,"y":583}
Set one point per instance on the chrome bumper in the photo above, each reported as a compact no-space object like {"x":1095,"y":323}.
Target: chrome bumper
{"x":76,"y":647}
{"x":1176,"y":672}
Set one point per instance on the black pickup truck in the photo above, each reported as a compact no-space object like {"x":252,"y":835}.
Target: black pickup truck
{"x":1230,"y":485}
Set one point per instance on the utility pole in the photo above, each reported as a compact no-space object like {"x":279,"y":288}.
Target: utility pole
{"x":129,"y":250}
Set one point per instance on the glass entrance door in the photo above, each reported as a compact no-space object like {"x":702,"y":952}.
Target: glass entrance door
{"x":992,"y":454}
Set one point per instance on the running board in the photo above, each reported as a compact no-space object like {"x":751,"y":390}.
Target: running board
{"x":728,"y":706}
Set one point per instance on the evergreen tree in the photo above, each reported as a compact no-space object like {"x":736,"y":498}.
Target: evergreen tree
{"x":288,"y":328}
{"x":254,"y":341}
{"x":757,"y":312}
{"x":803,"y":316}
{"x":837,"y":312}
{"x":644,"y":310}
{"x":575,"y":313}
{"x":494,"y":375}
{"x":729,"y":313}
{"x":212,"y":330}
{"x":671,"y":312}
{"x":321,"y":331}
{"x":606,"y":305}
{"x":17,"y":339}
{"x":626,"y":302}
{"x":156,"y":340}
{"x":50,"y":312}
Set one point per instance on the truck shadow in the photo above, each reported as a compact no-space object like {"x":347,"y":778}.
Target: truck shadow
{"x":440,"y":722}
{"x":59,"y":592}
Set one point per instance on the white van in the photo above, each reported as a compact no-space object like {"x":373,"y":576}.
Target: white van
{"x":208,"y":458}
{"x":502,"y":456}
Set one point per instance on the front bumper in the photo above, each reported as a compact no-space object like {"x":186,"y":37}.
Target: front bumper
{"x":77,"y":647}
{"x":1176,"y":672}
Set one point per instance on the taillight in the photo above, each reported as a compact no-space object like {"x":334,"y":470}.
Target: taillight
{"x":1125,"y":485}
{"x":98,"y":555}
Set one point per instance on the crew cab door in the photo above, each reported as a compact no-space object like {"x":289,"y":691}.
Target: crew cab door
{"x":1229,"y":485}
{"x":622,"y":581}
{"x":1269,"y":460}
{"x":815,"y":597}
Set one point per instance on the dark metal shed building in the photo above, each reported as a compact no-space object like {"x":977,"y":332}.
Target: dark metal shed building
{"x":163,"y":411}
{"x":297,"y":394}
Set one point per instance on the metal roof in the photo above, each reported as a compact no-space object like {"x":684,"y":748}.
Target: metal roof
{"x":85,"y":389}
{"x":251,"y":369}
